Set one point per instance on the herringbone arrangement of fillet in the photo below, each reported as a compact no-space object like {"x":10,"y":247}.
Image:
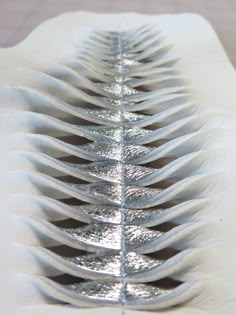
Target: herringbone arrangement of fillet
{"x":114,"y":145}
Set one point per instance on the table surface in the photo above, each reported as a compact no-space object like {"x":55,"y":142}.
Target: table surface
{"x":20,"y":17}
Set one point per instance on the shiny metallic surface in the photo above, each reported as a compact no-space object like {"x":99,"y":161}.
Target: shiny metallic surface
{"x":115,"y":151}
{"x":97,"y":290}
{"x":112,"y":171}
{"x":112,"y":214}
{"x":117,"y":133}
{"x":108,"y":184}
{"x":117,"y":89}
{"x":138,"y":237}
{"x":137,"y":263}
{"x":139,"y":291}
{"x":100,"y":236}
{"x":135,"y":196}
{"x":106,"y":265}
{"x":112,"y":117}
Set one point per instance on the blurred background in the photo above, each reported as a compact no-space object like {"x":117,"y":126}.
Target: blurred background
{"x":19,"y":17}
